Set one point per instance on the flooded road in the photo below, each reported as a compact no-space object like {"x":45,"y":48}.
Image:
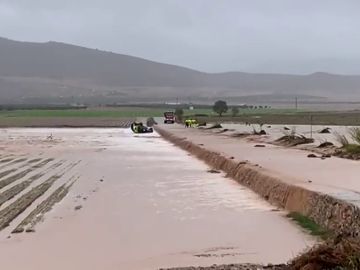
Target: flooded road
{"x":140,"y":203}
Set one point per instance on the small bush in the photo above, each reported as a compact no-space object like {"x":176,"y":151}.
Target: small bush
{"x":355,"y":134}
{"x":340,"y":138}
{"x":352,"y":148}
{"x":338,"y":254}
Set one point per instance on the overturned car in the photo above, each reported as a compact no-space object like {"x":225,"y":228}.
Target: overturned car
{"x":138,"y":127}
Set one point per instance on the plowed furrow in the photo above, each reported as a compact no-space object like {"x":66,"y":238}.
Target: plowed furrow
{"x":19,"y":160}
{"x":6,"y":173}
{"x":13,"y":191}
{"x":42,"y":163}
{"x":34,"y":160}
{"x":57,"y":164}
{"x":6,"y":160}
{"x":10,"y":212}
{"x":45,"y":206}
{"x":13,"y":178}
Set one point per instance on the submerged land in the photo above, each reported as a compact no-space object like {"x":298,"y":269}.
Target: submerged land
{"x":111,"y":199}
{"x":231,"y":196}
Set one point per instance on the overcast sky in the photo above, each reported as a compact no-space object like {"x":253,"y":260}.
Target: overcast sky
{"x":282,"y":36}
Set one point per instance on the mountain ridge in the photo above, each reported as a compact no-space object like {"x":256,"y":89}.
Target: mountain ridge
{"x":31,"y":71}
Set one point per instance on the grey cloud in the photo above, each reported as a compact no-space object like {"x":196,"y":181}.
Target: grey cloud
{"x":211,"y":35}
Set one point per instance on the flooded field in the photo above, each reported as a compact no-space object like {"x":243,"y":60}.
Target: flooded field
{"x":319,"y":133}
{"x":109,"y":199}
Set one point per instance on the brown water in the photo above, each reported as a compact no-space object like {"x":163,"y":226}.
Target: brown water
{"x":156,"y":206}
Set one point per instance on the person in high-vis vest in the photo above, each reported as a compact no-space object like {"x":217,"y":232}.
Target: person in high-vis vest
{"x":193,"y":123}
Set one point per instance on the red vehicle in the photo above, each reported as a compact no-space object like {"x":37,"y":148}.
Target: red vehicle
{"x":169,"y":117}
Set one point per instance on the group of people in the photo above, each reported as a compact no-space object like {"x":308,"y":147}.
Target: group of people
{"x":190,"y":123}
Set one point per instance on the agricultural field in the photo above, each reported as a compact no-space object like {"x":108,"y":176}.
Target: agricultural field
{"x":290,"y":117}
{"x":70,"y":118}
{"x":100,"y":198}
{"x":24,"y":179}
{"x":130,"y":111}
{"x":85,"y":113}
{"x":116,"y":117}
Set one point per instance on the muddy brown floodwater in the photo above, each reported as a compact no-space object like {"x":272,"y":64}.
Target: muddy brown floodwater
{"x":134,"y":202}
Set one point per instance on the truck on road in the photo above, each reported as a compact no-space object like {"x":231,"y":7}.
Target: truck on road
{"x":169,"y":117}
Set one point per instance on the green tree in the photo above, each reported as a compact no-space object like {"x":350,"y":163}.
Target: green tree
{"x":179,"y":114}
{"x":220,"y":107}
{"x":235,"y":111}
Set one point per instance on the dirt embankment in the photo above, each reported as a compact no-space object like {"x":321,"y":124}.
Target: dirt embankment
{"x":333,"y":214}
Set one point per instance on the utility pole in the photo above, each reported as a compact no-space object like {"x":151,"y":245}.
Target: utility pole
{"x":296,"y":103}
{"x":311,"y":126}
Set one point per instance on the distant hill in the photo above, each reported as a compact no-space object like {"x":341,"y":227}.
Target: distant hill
{"x":57,"y":72}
